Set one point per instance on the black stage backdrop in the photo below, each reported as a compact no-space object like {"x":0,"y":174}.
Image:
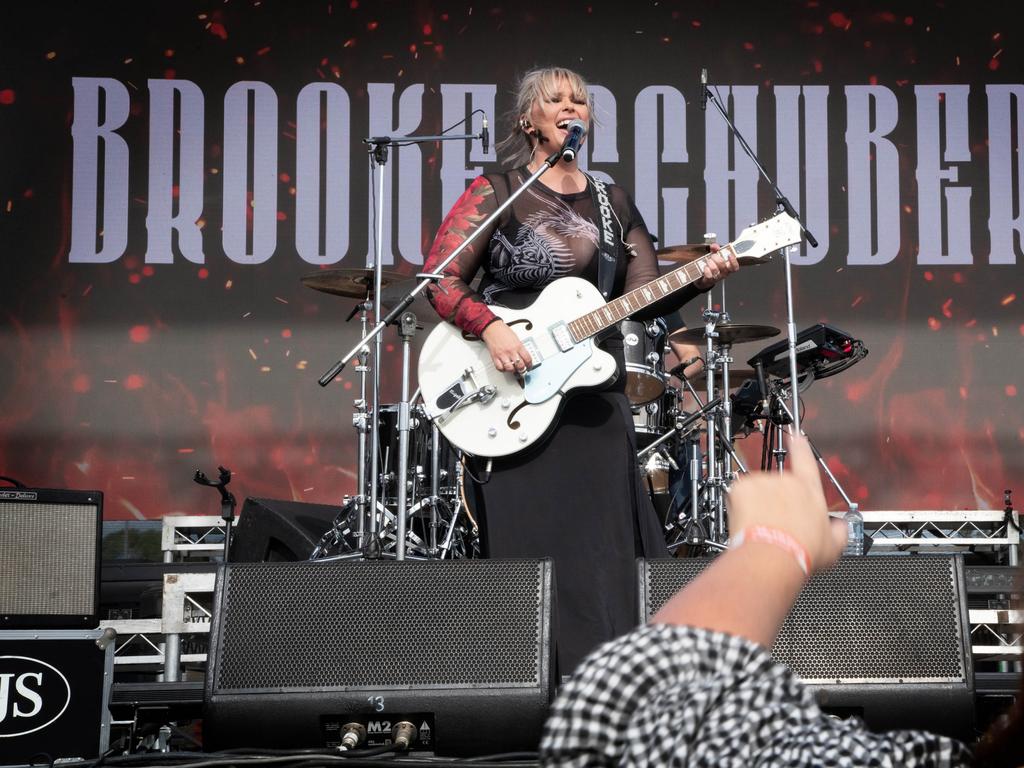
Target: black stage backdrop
{"x":171,"y":169}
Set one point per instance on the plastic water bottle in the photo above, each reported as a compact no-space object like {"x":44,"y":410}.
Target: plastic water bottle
{"x":854,"y":532}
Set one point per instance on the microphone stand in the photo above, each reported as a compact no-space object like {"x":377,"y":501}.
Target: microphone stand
{"x":380,"y":144}
{"x":782,"y":204}
{"x":368,"y":539}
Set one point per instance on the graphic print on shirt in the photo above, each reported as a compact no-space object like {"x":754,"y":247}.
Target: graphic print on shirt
{"x":542,"y":251}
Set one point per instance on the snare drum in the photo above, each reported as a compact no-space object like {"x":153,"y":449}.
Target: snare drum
{"x":644,"y":348}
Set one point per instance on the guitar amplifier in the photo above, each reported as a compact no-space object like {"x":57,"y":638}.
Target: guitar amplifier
{"x":50,"y":542}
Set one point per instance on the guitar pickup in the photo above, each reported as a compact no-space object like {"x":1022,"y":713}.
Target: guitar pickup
{"x":531,"y":348}
{"x":562,"y":337}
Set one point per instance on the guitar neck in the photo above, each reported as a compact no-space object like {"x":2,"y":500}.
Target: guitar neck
{"x":628,"y":304}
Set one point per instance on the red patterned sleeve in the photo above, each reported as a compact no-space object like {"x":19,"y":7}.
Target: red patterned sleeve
{"x":452,"y":297}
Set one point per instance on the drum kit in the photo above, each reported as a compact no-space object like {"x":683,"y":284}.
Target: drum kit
{"x":685,"y":419}
{"x":686,"y":431}
{"x":439,"y":525}
{"x":686,"y":457}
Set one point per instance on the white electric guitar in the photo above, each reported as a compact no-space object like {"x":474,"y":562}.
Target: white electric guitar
{"x":486,"y":412}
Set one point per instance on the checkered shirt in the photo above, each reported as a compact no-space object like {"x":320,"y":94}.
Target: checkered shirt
{"x":667,"y":695}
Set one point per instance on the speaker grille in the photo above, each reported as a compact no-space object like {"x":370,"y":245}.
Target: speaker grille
{"x":49,"y":554}
{"x":874,"y":619}
{"x":482,"y":621}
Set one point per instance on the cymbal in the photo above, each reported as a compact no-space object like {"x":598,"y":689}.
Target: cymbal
{"x":390,"y":295}
{"x":728,"y":333}
{"x":354,"y":283}
{"x":682,"y":253}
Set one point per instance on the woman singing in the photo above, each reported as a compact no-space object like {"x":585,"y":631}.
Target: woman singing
{"x":575,"y":496}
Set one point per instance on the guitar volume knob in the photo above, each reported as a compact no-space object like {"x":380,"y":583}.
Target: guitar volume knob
{"x":506,"y":403}
{"x":492,"y":432}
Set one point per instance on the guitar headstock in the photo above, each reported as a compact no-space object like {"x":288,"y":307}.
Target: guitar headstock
{"x":757,"y":244}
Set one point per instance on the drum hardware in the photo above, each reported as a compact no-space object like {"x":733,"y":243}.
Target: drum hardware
{"x":824,"y":351}
{"x":702,"y":522}
{"x":681,"y":427}
{"x":737,"y":377}
{"x":354,"y":533}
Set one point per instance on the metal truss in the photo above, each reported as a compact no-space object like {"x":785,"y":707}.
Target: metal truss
{"x":934,"y":529}
{"x":186,"y":535}
{"x":996,"y":634}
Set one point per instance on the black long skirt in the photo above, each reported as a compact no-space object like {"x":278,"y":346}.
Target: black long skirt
{"x":577,"y":499}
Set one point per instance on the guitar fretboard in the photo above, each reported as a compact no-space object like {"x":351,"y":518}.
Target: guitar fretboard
{"x":619,"y":309}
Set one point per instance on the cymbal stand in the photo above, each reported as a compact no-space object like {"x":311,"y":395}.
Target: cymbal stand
{"x":435,"y":487}
{"x":361,"y":422}
{"x":444,"y":549}
{"x":718,"y":477}
{"x":406,"y":331}
{"x":728,"y":448}
{"x":707,"y":495}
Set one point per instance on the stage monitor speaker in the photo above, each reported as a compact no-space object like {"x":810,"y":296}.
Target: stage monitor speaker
{"x":272,"y":530}
{"x":884,"y":638}
{"x":459,"y":649}
{"x":50,"y":545}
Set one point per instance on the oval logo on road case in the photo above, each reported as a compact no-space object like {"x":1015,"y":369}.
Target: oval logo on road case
{"x":33,"y":694}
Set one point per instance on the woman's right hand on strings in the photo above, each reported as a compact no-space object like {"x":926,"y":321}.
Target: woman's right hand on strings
{"x":507,"y":351}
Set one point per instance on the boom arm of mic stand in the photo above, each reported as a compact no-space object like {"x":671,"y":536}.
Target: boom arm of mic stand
{"x":339,"y":366}
{"x":399,"y":140}
{"x":780,"y":198}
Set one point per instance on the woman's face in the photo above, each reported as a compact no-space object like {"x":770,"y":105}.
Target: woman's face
{"x":554,"y":111}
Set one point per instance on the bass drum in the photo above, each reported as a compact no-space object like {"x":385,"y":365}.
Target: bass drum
{"x":421,"y":453}
{"x":644,"y":349}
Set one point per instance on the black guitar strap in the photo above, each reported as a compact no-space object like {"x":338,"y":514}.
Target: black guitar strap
{"x":609,"y":241}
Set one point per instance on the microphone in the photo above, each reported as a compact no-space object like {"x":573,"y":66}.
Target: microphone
{"x":577,"y":130}
{"x":703,"y":88}
{"x":485,"y":136}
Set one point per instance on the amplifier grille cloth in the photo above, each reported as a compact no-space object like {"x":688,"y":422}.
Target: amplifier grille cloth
{"x":437,"y":624}
{"x":873,"y":618}
{"x":49,"y":559}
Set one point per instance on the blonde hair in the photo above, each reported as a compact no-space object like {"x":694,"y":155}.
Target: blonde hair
{"x":534,"y":86}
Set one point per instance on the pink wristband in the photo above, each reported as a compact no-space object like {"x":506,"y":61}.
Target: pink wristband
{"x":777,"y":538}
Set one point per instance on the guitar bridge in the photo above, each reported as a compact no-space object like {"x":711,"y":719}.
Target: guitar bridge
{"x":460,"y":393}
